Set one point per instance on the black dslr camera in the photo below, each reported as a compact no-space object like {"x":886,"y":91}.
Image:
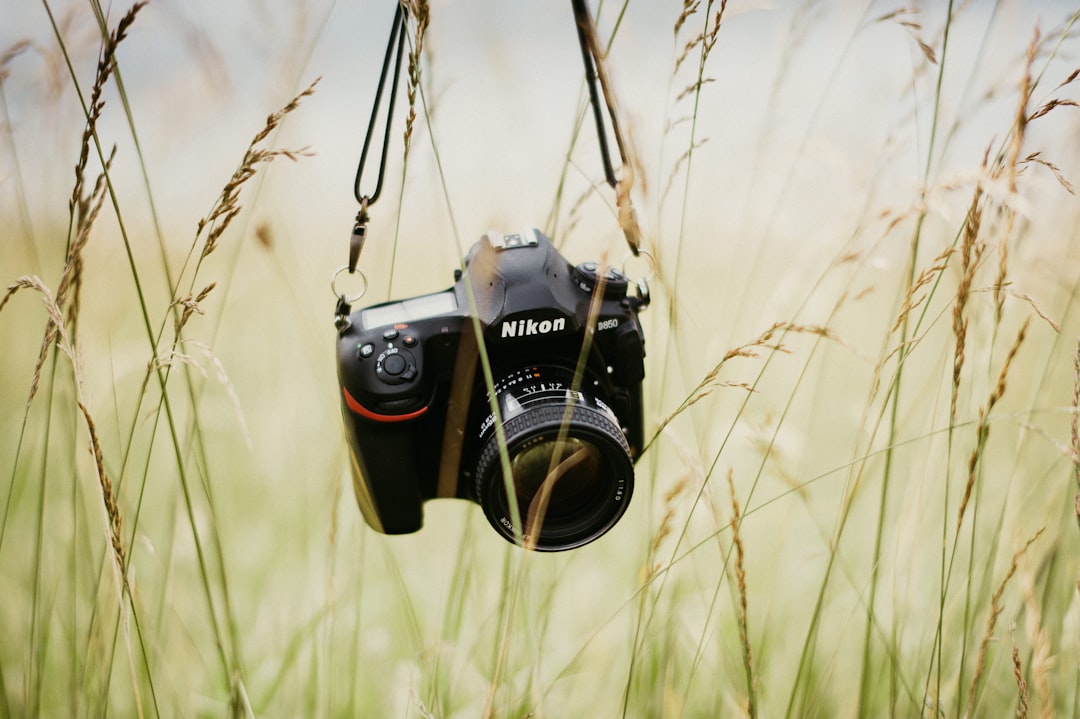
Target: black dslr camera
{"x":565,"y":353}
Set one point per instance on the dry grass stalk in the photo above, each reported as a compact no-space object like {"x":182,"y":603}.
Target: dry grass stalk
{"x":105,"y":66}
{"x":56,"y":318}
{"x":1050,"y":105}
{"x":1038,"y":637}
{"x":174,"y":358}
{"x":13,"y":51}
{"x":903,"y":17}
{"x":689,"y":8}
{"x":983,"y":427}
{"x":912,"y":298}
{"x":693,"y":477}
{"x":168,"y":360}
{"x":1012,"y":161}
{"x":740,"y":582}
{"x":190,"y":305}
{"x":71,"y":279}
{"x":625,"y":213}
{"x":678,"y":164}
{"x":83,"y":207}
{"x":627,"y":216}
{"x":970,"y":252}
{"x":227,"y":206}
{"x":27,"y":282}
{"x":1074,"y":428}
{"x":749,"y":350}
{"x":230,"y":389}
{"x":991,"y":623}
{"x":670,"y":507}
{"x":1018,"y":675}
{"x":573,"y":215}
{"x":1036,"y":158}
{"x":1029,"y":301}
{"x":419,"y":10}
{"x":705,"y":40}
{"x":108,"y":496}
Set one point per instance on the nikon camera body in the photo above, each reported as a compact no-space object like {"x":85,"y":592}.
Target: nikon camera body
{"x":553,"y":467}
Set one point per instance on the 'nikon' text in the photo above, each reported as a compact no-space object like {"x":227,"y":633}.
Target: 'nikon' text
{"x":524,"y":328}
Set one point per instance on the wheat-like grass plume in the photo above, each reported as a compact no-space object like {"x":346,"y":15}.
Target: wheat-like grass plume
{"x":84,"y":208}
{"x":912,"y":297}
{"x":13,"y":51}
{"x":1036,"y":158}
{"x":112,"y":508}
{"x":905,"y":18}
{"x":749,"y":350}
{"x":421,"y":13}
{"x":991,"y":623}
{"x":191,"y":304}
{"x":983,"y":426}
{"x":1012,"y":161}
{"x":630,"y":171}
{"x":227,"y":206}
{"x":705,"y":40}
{"x":1042,"y":651}
{"x":94,"y":106}
{"x":970,"y":251}
{"x":1074,"y":430}
{"x":56,"y":318}
{"x":1018,"y":675}
{"x":740,"y":584}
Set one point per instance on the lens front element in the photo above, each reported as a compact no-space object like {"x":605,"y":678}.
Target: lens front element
{"x":572,"y":474}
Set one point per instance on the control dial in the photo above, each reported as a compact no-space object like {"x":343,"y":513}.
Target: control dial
{"x":396,"y":366}
{"x":586,"y":277}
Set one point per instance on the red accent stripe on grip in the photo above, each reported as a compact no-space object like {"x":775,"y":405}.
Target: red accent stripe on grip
{"x":363,"y":411}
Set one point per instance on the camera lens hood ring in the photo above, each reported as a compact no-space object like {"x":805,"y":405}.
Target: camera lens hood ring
{"x":348,"y":298}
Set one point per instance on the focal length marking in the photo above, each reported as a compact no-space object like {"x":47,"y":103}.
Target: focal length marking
{"x":527,"y":327}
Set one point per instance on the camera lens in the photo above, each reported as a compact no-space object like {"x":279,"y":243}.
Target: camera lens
{"x":576,"y":484}
{"x":571,"y":469}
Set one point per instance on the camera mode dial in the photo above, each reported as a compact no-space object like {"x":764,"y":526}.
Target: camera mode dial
{"x":587,"y":277}
{"x":396,"y":366}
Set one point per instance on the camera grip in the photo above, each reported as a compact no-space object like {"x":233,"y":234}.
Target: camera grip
{"x":385,"y":467}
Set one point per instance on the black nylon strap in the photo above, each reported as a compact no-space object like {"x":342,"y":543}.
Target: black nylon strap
{"x":397,"y":32}
{"x":584,"y":23}
{"x":589,"y":52}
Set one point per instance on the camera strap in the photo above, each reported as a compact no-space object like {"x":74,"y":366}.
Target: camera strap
{"x":596,"y":81}
{"x":397,"y":37}
{"x":595,"y":72}
{"x":586,"y":30}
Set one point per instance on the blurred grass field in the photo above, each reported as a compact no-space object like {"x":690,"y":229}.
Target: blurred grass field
{"x":862,"y":371}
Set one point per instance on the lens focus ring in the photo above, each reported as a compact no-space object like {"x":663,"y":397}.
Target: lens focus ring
{"x":572,"y":473}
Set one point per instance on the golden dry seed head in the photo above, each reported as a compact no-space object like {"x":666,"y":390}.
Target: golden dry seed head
{"x":112,"y":508}
{"x":991,"y":622}
{"x":227,"y":206}
{"x":689,"y":8}
{"x":1018,"y":675}
{"x":14,"y":50}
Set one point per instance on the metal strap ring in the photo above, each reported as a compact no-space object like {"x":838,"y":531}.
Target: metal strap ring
{"x":349,"y":298}
{"x":649,"y":258}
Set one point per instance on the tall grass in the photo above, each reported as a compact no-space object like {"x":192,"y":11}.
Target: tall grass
{"x":860,"y":492}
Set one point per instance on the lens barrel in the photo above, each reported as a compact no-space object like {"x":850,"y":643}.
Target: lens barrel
{"x":572,"y":473}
